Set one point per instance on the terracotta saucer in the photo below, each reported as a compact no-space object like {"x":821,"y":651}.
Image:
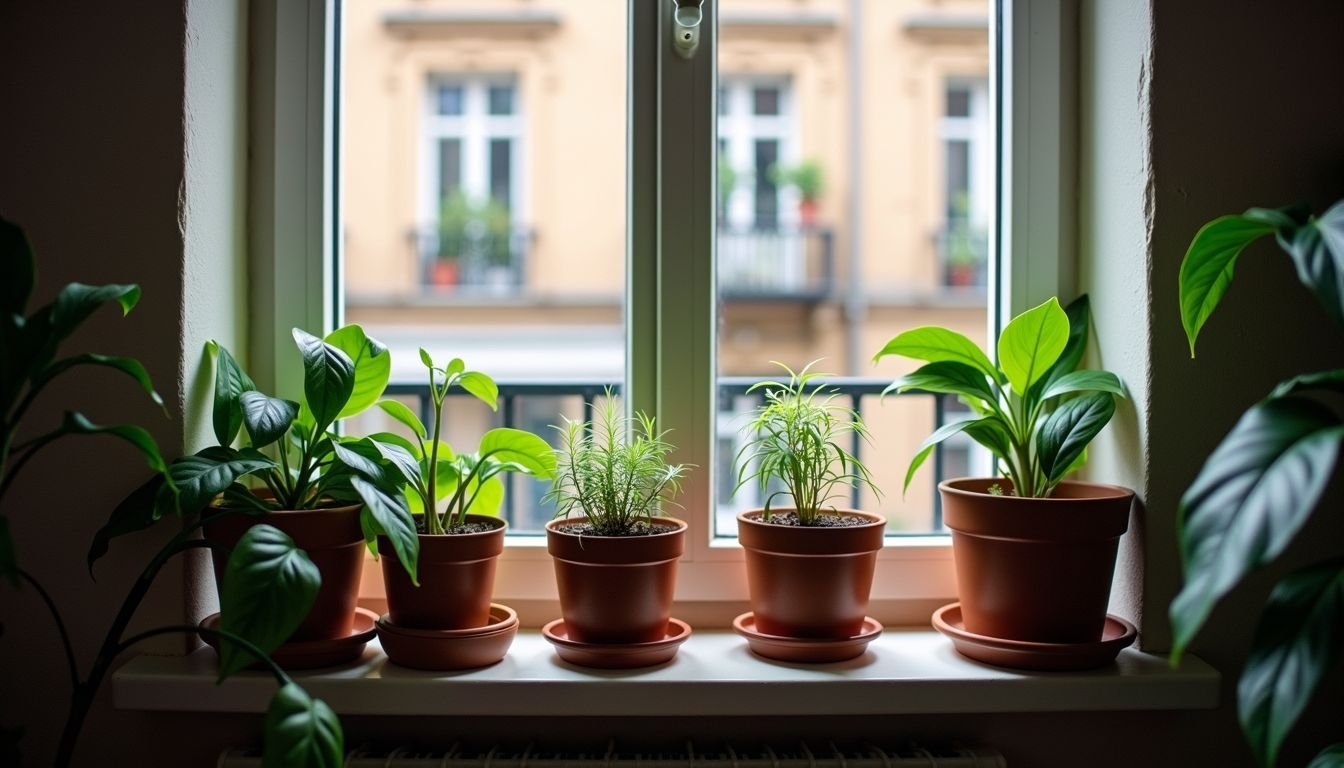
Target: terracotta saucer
{"x":442,"y":649}
{"x":806,"y":650}
{"x":617,"y":655}
{"x":311,"y":654}
{"x":1019,"y":654}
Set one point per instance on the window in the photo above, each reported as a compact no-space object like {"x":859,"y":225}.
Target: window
{"x":575,"y":96}
{"x":963,"y":238}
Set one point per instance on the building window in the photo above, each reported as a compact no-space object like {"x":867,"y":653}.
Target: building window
{"x":963,"y":239}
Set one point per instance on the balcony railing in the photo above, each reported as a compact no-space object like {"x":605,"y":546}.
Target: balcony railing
{"x":776,"y":263}
{"x":732,"y":391}
{"x":482,"y":263}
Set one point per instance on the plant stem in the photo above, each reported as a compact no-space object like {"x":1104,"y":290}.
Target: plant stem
{"x":433,"y":524}
{"x":60,"y":627}
{"x":81,"y":699}
{"x":260,"y":655}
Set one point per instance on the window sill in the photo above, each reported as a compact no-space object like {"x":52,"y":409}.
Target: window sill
{"x":904,"y":672}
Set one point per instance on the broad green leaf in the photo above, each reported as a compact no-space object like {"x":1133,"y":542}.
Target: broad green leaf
{"x":1068,"y":430}
{"x":399,"y":457}
{"x":373,"y":367}
{"x":301,"y":732}
{"x":18,"y":267}
{"x":486,"y":498}
{"x":1330,"y":757}
{"x":127,"y":365}
{"x":1031,"y":343}
{"x":1328,"y":381}
{"x":482,"y":386}
{"x":77,"y":301}
{"x":992,"y":434}
{"x":1085,"y":381}
{"x":514,"y":446}
{"x":1206,"y":270}
{"x":454,"y":366}
{"x":76,"y":424}
{"x":9,"y":557}
{"x":362,"y":456}
{"x":1250,"y":498}
{"x":1317,"y":249}
{"x":1079,"y":313}
{"x":934,"y":344}
{"x":930,"y":442}
{"x":946,"y":377}
{"x":230,"y":384}
{"x":205,"y":474}
{"x":268,"y":588}
{"x":446,"y":477}
{"x":138,"y":511}
{"x":399,"y":411}
{"x":386,"y":514}
{"x":328,"y":377}
{"x":392,"y":438}
{"x":426,"y":359}
{"x":267,"y":418}
{"x":1298,"y":641}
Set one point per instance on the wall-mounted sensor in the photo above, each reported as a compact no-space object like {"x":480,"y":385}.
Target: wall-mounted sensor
{"x":686,"y":17}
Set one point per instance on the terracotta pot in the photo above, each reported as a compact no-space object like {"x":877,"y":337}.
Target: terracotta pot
{"x":810,"y":581}
{"x":807,"y":212}
{"x":1036,"y":570}
{"x":333,"y":540}
{"x":615,"y":589}
{"x":457,"y":578}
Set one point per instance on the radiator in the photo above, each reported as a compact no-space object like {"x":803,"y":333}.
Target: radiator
{"x":755,"y":757}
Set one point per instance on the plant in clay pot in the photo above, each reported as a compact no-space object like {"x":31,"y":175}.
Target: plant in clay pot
{"x":1034,"y":552}
{"x":806,"y":178}
{"x":615,"y":556}
{"x":296,"y":725}
{"x":460,"y":542}
{"x":810,"y":564}
{"x":328,"y":492}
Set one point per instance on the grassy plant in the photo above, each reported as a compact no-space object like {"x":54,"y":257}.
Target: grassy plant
{"x":614,"y":470}
{"x":795,"y":437}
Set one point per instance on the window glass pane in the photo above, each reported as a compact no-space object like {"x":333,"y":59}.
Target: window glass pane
{"x":483,"y":211}
{"x":501,"y":100}
{"x":450,"y":100}
{"x":827,"y":248}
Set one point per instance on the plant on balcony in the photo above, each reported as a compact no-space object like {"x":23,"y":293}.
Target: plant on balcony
{"x":1262,"y":484}
{"x":727,"y":183}
{"x":471,"y":235}
{"x":613,"y":479}
{"x":806,"y":177}
{"x":460,"y":543}
{"x":962,"y":244}
{"x":1017,"y":538}
{"x":296,"y":725}
{"x":329,"y":492}
{"x":795,"y":440}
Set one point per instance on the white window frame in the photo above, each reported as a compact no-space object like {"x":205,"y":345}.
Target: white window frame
{"x":670,"y":213}
{"x":475,"y":128}
{"x":742,"y":127}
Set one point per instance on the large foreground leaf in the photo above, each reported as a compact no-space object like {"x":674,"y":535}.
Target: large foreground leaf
{"x":1031,"y":343}
{"x":1209,"y":263}
{"x":1330,"y":757}
{"x":76,"y":424}
{"x":386,"y":514}
{"x":138,"y":511}
{"x":1298,"y":641}
{"x":1317,"y":248}
{"x":76,"y":302}
{"x":207,"y":473}
{"x":127,"y":365}
{"x":231,"y":381}
{"x":267,"y":418}
{"x":301,"y":732}
{"x":1252,"y":495}
{"x":372,"y":366}
{"x":934,"y":344}
{"x":328,"y":377}
{"x":269,"y":587}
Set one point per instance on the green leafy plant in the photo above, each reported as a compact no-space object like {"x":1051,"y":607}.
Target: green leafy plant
{"x":28,"y":362}
{"x":1034,"y":410}
{"x":614,"y":470}
{"x":727,"y":182}
{"x":1263,"y":482}
{"x":805,"y":177}
{"x":474,"y":228}
{"x":292,"y":450}
{"x":795,"y":438}
{"x":470,"y":481}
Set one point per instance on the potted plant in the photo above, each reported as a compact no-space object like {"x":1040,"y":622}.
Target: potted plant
{"x":615,"y":556}
{"x":1263,"y":483}
{"x":473,"y":242}
{"x":447,"y":621}
{"x":296,"y":723}
{"x":806,"y":178}
{"x":329,"y":493}
{"x":1034,"y":552}
{"x":809,"y":564}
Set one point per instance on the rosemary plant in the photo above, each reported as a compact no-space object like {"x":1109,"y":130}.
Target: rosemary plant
{"x":614,"y":470}
{"x":795,"y":437}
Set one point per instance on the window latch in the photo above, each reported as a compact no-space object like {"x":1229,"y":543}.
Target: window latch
{"x":686,"y":18}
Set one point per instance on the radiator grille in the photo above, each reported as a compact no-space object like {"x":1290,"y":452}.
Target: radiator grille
{"x":800,"y":756}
